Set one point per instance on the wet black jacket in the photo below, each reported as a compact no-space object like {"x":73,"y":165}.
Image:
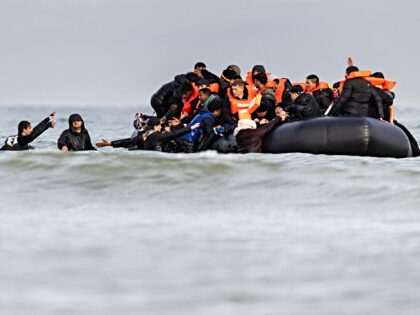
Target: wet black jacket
{"x":354,"y":100}
{"x":159,"y":100}
{"x":134,"y":143}
{"x":23,"y":141}
{"x":251,"y":140}
{"x":155,"y":140}
{"x":75,"y":141}
{"x":304,"y":107}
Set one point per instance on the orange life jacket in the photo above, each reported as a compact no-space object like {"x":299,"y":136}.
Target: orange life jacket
{"x":381,"y":83}
{"x":366,"y":75}
{"x":249,"y":80}
{"x":250,"y":104}
{"x":188,"y":103}
{"x":320,"y":86}
{"x":280,"y":88}
{"x":246,"y":113}
{"x":357,"y":74}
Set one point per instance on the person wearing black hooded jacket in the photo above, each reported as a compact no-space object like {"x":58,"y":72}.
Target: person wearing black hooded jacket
{"x":162,"y":100}
{"x":76,"y":138}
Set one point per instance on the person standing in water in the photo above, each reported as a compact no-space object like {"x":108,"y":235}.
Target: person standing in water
{"x":76,"y":138}
{"x":27,"y":134}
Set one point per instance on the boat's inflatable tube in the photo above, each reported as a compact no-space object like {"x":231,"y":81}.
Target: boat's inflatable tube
{"x":226,"y":144}
{"x":339,"y":136}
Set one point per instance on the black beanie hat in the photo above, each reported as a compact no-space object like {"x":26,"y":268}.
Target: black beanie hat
{"x":153,"y":121}
{"x":215,"y":105}
{"x":229,"y":74}
{"x":262,"y":77}
{"x":296,"y":89}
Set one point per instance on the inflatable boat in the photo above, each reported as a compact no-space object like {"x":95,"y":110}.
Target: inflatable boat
{"x":333,"y":136}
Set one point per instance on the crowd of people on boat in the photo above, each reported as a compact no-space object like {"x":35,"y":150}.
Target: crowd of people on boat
{"x":198,"y":108}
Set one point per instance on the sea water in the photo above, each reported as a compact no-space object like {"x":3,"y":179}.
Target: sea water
{"x":130,"y":232}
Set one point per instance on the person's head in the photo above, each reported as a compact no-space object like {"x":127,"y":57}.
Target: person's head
{"x":154,"y":123}
{"x":350,"y":70}
{"x":260,"y":80}
{"x":203,"y":83}
{"x":262,"y":110}
{"x":24,"y":128}
{"x":204,"y":95}
{"x":295,"y":92}
{"x":257,"y":69}
{"x":238,"y":88}
{"x":192,"y":77}
{"x":236,"y":69}
{"x":228,"y":75}
{"x":187,"y":90}
{"x":378,"y":75}
{"x":198,"y":67}
{"x":215,"y":107}
{"x":76,"y":122}
{"x":312,"y":82}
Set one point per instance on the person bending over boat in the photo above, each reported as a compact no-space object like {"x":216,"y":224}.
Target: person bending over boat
{"x":263,"y":114}
{"x":76,"y":138}
{"x":206,"y":119}
{"x":154,"y":138}
{"x":355,"y":96}
{"x":250,"y":138}
{"x":304,"y":105}
{"x":27,"y":134}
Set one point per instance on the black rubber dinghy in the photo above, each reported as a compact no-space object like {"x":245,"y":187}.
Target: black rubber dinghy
{"x":339,"y":136}
{"x":332,"y":136}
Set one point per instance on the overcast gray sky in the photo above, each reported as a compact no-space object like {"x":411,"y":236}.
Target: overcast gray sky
{"x":118,"y":52}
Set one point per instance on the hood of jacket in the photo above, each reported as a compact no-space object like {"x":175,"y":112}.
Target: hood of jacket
{"x":75,"y":117}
